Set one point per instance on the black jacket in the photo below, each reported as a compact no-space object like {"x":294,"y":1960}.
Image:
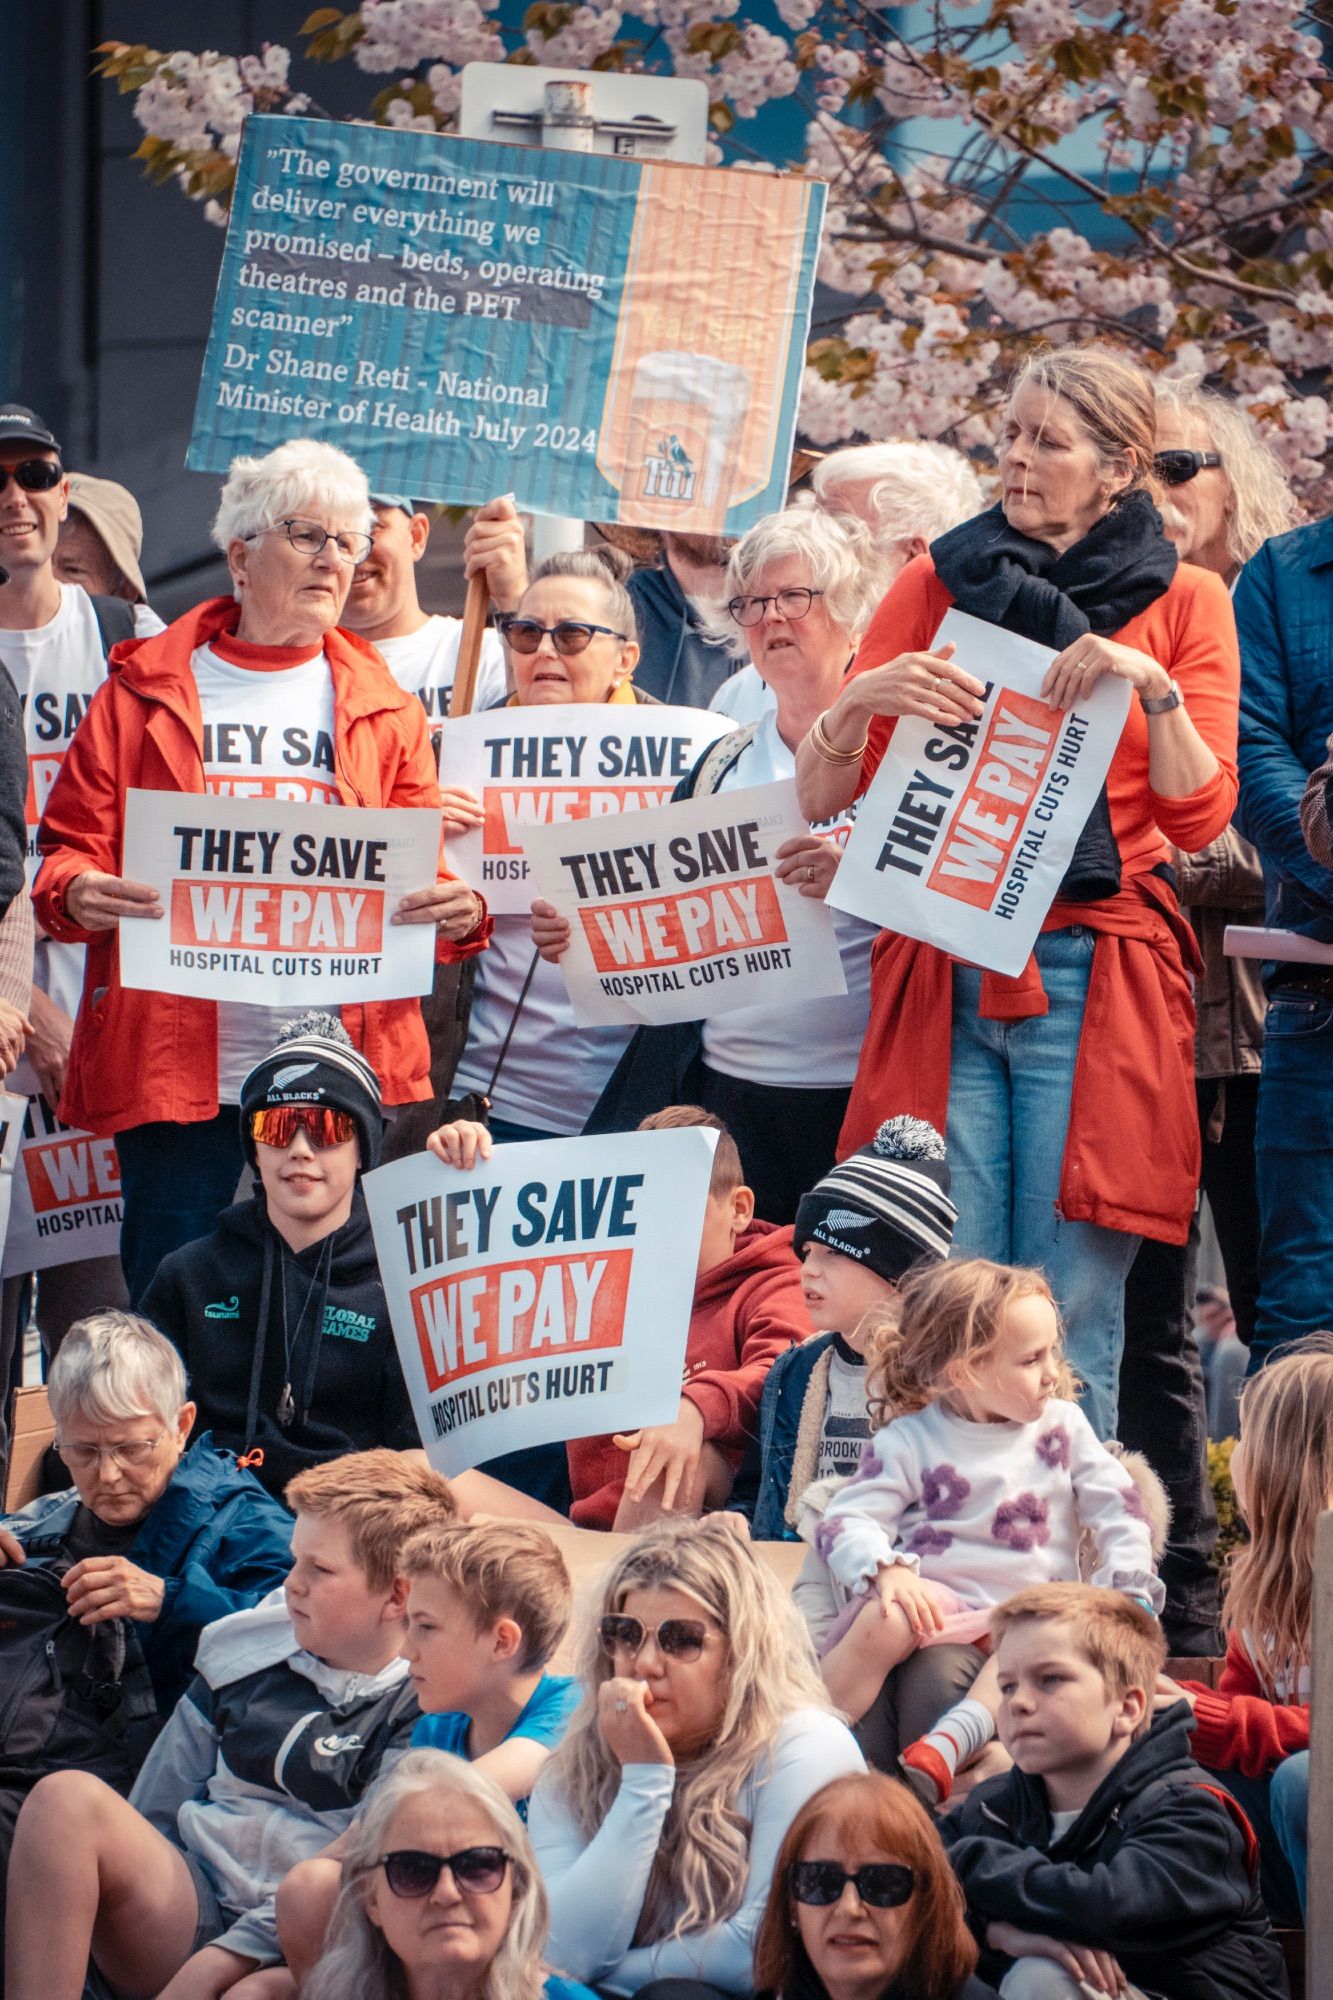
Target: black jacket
{"x":211,"y":1296}
{"x":1159,"y":1868}
{"x":679,"y":663}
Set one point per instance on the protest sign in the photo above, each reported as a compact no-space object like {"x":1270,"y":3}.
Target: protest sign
{"x":609,"y":338}
{"x":65,"y":1203}
{"x":965,"y":834}
{"x":546,"y":766}
{"x":547,"y":1294}
{"x":677,"y":914}
{"x":289,"y":904}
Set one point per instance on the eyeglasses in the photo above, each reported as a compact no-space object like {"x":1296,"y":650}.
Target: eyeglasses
{"x":278,"y":1125}
{"x":789,"y":604}
{"x":412,"y":1873}
{"x":132,"y":1456}
{"x":1177,"y":468}
{"x":34,"y":475}
{"x":311,"y":540}
{"x":881,"y":1885}
{"x":677,"y":1638}
{"x":570,"y":636}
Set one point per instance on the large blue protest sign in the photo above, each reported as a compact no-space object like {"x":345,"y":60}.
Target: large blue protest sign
{"x":604,"y":337}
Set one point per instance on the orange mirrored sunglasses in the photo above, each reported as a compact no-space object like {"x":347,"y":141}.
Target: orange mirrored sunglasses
{"x":322,"y":1126}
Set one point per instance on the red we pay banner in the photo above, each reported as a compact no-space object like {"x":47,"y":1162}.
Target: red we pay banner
{"x":965,"y":833}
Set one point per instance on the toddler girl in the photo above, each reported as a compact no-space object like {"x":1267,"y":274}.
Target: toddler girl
{"x":1254,"y":1728}
{"x":976,"y":1483}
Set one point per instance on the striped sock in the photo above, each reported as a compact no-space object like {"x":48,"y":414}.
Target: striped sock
{"x":929,"y":1764}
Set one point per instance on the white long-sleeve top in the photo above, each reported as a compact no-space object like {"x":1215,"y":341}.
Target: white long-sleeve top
{"x":597,"y":1886}
{"x":988,"y":1509}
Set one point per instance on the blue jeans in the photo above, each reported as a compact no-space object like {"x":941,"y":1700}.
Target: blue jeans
{"x":1294,"y":1150}
{"x":506,"y":1133}
{"x":175,"y":1181}
{"x":1009,"y":1090}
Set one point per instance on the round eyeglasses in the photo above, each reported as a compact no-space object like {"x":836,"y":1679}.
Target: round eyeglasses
{"x":791,"y":604}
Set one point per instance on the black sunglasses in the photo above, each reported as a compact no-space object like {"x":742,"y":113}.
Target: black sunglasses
{"x":412,"y":1873}
{"x":34,"y":475}
{"x":570,"y":636}
{"x":1177,"y":468}
{"x":677,"y":1638}
{"x":881,"y":1885}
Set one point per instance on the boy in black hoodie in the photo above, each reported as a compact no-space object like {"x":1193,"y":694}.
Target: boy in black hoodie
{"x":1106,"y":1856}
{"x":279,"y":1315}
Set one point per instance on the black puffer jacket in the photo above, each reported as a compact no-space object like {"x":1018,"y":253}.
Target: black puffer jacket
{"x":1159,"y":1868}
{"x":221,"y":1302}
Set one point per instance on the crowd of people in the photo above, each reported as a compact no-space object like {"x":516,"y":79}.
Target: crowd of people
{"x":869,"y":1698}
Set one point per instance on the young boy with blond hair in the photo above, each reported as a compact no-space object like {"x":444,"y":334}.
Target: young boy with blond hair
{"x":1105,"y":1861}
{"x":294,"y":1708}
{"x":487,"y":1607}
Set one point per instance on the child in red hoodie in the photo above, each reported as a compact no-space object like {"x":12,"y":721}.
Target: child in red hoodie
{"x":748,"y":1309}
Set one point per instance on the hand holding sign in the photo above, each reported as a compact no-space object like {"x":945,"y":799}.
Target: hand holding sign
{"x":97,"y":902}
{"x":932,"y":685}
{"x":495,"y":547}
{"x":1076,"y":672}
{"x":808,"y":863}
{"x":451,"y":906}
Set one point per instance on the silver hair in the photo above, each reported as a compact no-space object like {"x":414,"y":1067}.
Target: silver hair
{"x":357,"y":1960}
{"x":838,"y":557}
{"x":602,"y":565}
{"x":300,"y":477}
{"x":1262,"y":502}
{"x":917,"y":487}
{"x":114,"y":1365}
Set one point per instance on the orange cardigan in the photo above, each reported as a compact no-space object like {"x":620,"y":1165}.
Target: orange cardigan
{"x":1131,"y":1155}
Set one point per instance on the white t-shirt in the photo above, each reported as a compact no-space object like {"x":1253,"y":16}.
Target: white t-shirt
{"x":846,"y":1419}
{"x":811,"y":1044}
{"x":424,"y":664}
{"x":744,"y":697}
{"x":57,"y":670}
{"x":268,"y":734}
{"x":554,"y":1072}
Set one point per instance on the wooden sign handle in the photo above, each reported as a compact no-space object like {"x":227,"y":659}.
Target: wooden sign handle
{"x":469,"y":645}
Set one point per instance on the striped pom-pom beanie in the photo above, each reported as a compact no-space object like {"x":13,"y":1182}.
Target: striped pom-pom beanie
{"x":888,"y":1206}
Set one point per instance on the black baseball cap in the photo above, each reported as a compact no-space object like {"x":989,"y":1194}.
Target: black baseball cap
{"x":18,"y":421}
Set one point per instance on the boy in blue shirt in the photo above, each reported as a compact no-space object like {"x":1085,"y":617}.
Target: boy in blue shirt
{"x":487,"y":1606}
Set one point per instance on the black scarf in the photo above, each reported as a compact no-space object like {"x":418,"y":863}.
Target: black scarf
{"x":1121,"y":566}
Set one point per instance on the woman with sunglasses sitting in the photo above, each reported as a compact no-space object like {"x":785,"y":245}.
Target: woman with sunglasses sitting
{"x":279,"y":1313}
{"x":441,"y":1895}
{"x":257,"y":695}
{"x":703,"y":1731}
{"x":864,"y":1904}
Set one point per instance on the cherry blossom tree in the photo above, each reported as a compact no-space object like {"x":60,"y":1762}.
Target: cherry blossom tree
{"x":1155,"y":173}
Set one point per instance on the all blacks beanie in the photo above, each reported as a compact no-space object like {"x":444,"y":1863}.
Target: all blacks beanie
{"x":887,"y":1206}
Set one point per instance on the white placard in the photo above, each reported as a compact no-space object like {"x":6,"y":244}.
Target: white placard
{"x":65,"y":1189}
{"x":677,"y":914}
{"x":546,"y":766}
{"x":547,"y":1294}
{"x":964,"y":835}
{"x":275,"y":903}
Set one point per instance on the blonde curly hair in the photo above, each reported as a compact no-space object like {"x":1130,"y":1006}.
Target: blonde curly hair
{"x":945,"y":1321}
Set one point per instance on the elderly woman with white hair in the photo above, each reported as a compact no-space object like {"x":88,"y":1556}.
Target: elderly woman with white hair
{"x":442,"y":1898}
{"x":800,"y":591}
{"x":257,"y":695}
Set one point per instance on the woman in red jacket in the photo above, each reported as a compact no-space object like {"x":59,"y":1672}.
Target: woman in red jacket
{"x":258,"y":695}
{"x":1068,"y":1091}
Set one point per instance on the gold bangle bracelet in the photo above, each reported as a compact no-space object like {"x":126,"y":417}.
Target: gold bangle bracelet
{"x":830,"y":751}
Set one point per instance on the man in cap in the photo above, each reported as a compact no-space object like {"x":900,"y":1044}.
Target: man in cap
{"x":54,"y":639}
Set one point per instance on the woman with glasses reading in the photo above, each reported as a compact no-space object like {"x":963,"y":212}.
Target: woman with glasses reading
{"x":864,"y":1904}
{"x":441,"y":1895}
{"x":703,"y":1731}
{"x":259,"y":695}
{"x":800,"y":589}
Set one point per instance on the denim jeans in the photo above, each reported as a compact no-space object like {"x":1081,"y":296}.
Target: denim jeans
{"x":175,"y":1181}
{"x":1009,"y":1091}
{"x":1294,"y":1142}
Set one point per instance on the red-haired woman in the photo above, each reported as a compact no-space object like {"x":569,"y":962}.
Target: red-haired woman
{"x":864,"y":1904}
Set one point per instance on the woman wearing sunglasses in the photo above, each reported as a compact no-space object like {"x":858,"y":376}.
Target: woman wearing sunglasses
{"x":441,"y":1896}
{"x":865,"y":1905}
{"x":279,"y":1313}
{"x":257,"y":695}
{"x":1068,"y":1090}
{"x":704,"y":1729}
